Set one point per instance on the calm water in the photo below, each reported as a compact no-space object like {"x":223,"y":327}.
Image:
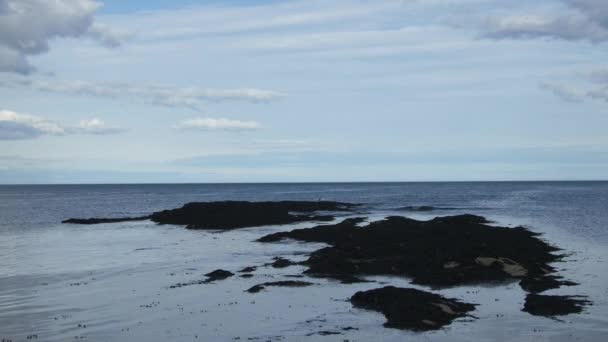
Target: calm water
{"x":110,"y":282}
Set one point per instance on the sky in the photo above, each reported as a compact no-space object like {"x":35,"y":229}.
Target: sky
{"x":160,"y":91}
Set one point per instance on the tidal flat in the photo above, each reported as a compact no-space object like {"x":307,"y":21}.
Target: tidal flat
{"x":116,"y":281}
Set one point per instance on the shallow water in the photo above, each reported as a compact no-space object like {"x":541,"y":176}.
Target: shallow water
{"x":111,"y":281}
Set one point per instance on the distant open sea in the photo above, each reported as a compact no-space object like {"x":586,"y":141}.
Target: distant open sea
{"x":113,"y":278}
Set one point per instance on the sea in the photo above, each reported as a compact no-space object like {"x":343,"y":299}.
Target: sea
{"x":112,"y":282}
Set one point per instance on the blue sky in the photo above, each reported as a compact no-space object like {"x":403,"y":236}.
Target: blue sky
{"x":279,"y":91}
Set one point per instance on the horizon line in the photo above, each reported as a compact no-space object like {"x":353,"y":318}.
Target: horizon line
{"x":317,"y":182}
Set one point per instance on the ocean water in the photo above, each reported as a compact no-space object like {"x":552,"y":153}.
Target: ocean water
{"x":110,"y":282}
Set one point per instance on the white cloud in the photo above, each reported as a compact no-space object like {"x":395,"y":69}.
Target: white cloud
{"x":582,"y":20}
{"x":17,"y":126}
{"x":94,"y":126}
{"x":162,"y":95}
{"x":564,"y":92}
{"x":596,"y":88}
{"x":573,"y":27}
{"x":27,"y":27}
{"x":108,"y":36}
{"x":586,"y":20}
{"x":218,"y":124}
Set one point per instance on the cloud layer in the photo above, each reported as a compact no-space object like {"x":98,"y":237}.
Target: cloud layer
{"x":587,"y":20}
{"x":16,"y":126}
{"x":596,"y":88}
{"x":161,"y":95}
{"x":218,"y":124}
{"x":566,"y":93}
{"x":27,"y":26}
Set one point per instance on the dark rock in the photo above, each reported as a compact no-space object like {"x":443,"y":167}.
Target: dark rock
{"x":348,"y":279}
{"x":218,"y":274}
{"x":282,"y":263}
{"x":324,"y":333}
{"x":235,"y":214}
{"x":542,"y":283}
{"x":284,"y":283}
{"x":248,"y":269}
{"x":442,"y":252}
{"x":246,"y":275}
{"x":331,"y":234}
{"x":406,"y":308}
{"x":543,"y":305}
{"x":104,"y":220}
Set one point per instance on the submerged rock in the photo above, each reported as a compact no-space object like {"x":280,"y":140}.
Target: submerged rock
{"x":281,"y":263}
{"x":443,"y":252}
{"x":104,"y":220}
{"x":248,"y":269}
{"x":324,"y":333}
{"x":544,"y":305}
{"x":406,"y":308}
{"x":234,"y":214}
{"x":284,"y":283}
{"x":218,"y":274}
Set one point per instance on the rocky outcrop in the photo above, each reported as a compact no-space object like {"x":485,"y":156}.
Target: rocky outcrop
{"x":218,"y":274}
{"x":406,"y":308}
{"x":235,"y":214}
{"x":443,"y":252}
{"x":281,"y":263}
{"x":544,"y":305}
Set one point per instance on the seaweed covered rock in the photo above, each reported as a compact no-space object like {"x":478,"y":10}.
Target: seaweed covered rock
{"x":442,"y":252}
{"x":332,"y":234}
{"x":216,"y":275}
{"x":234,"y":214}
{"x":96,"y":220}
{"x":281,"y":263}
{"x":544,"y":305}
{"x":239,"y":214}
{"x":537,"y":284}
{"x":406,"y":308}
{"x":248,"y":269}
{"x":283,"y":283}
